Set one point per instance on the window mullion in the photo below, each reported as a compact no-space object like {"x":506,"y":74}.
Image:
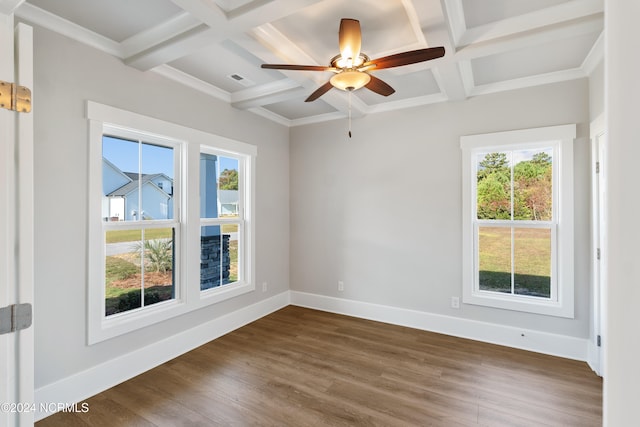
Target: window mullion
{"x":142,"y":268}
{"x":513,"y":262}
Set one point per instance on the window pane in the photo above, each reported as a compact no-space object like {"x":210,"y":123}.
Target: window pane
{"x":494,"y":247}
{"x":532,"y":184}
{"x":123,"y":271}
{"x":124,"y":275}
{"x":218,"y":186}
{"x":494,"y":185}
{"x":156,"y":182}
{"x":231,"y":230}
{"x":129,"y":169}
{"x":532,"y":259}
{"x":119,"y":167}
{"x":228,"y":187}
{"x":215,"y":259}
{"x":159,"y":265}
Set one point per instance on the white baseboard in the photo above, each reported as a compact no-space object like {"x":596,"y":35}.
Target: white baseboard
{"x":83,"y":385}
{"x":526,"y":339}
{"x":593,"y":357}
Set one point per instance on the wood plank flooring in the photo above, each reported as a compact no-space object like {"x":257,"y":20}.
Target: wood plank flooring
{"x":301,"y":367}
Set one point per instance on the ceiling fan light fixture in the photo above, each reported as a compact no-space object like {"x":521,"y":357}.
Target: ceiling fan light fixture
{"x":340,"y":61}
{"x":350,"y":80}
{"x":351,"y":66}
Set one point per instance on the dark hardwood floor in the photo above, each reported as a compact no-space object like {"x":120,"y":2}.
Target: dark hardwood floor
{"x":301,"y":367}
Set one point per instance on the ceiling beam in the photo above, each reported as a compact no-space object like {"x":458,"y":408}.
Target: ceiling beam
{"x":454,"y":12}
{"x":595,"y":56}
{"x":445,"y":71}
{"x":538,"y":19}
{"x":529,"y":81}
{"x":174,"y":48}
{"x":67,"y":28}
{"x":192,"y":82}
{"x":173,"y":27}
{"x":217,"y":26}
{"x":7,"y":7}
{"x":586,"y":25}
{"x":257,"y":96}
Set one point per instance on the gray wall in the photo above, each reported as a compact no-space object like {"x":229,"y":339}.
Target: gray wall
{"x":382,"y":211}
{"x":596,"y":92}
{"x":67,"y":74}
{"x":622,"y":252}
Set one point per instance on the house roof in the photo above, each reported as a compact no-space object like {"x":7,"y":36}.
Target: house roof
{"x":228,"y":196}
{"x":133,"y":185}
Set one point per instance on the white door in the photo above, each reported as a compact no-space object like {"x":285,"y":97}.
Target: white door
{"x":16,"y":223}
{"x":599,"y":239}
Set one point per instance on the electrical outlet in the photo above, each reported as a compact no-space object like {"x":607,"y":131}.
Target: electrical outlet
{"x":340,"y":285}
{"x":264,"y":286}
{"x":455,"y":302}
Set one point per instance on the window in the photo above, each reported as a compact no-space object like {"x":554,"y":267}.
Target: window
{"x":161,"y":241}
{"x":518,"y":220}
{"x":141,"y":232}
{"x":221,"y":229}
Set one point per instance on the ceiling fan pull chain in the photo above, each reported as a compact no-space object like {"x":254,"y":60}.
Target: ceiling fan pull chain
{"x":349,"y":114}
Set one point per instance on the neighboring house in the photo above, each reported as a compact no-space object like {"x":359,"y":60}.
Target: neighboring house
{"x":121,"y":194}
{"x":228,"y":202}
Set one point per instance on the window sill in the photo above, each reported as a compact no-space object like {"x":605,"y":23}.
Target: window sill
{"x":518,"y":303}
{"x":224,"y":292}
{"x":118,"y":324}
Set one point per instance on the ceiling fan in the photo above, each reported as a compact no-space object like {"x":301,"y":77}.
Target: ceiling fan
{"x":352,"y":67}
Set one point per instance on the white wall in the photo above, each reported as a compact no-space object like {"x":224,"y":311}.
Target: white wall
{"x":622,"y":317}
{"x":382,"y":211}
{"x":67,"y":74}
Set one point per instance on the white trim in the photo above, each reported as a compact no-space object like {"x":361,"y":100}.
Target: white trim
{"x":25,"y":223}
{"x":69,"y":29}
{"x":527,"y":81}
{"x":597,"y":131}
{"x":593,"y":357}
{"x":595,"y":56}
{"x":561,"y":137}
{"x":94,"y":380}
{"x":187,"y":144}
{"x":192,"y":82}
{"x":131,"y":120}
{"x":525,"y":339}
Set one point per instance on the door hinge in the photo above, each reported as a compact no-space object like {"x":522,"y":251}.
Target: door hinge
{"x":599,"y":341}
{"x":598,"y":253}
{"x":15,"y":317}
{"x":14,"y":97}
{"x":597,"y":167}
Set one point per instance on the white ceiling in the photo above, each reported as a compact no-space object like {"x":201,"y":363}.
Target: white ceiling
{"x":491,"y":46}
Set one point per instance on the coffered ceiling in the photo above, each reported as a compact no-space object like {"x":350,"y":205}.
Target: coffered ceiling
{"x":217,"y":46}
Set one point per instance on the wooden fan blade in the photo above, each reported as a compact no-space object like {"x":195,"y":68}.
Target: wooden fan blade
{"x":297,"y":67}
{"x":405,"y":58}
{"x":378,"y":86}
{"x":319,"y":92}
{"x":350,"y":38}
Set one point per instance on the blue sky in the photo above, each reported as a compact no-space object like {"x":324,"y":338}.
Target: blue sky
{"x":155,"y":159}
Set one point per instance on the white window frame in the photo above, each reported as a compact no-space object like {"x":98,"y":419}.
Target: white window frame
{"x":245,"y":257}
{"x":561,"y":138}
{"x":188,"y":142}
